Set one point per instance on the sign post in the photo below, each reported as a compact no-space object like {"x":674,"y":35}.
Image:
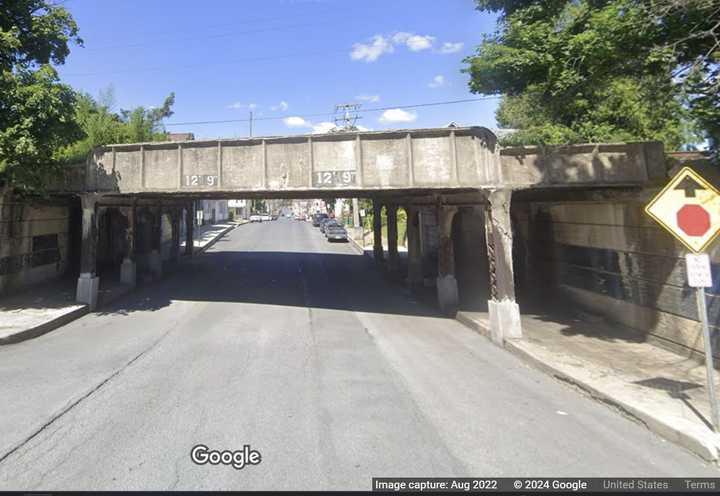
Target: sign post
{"x":700,"y":277}
{"x":689,"y":208}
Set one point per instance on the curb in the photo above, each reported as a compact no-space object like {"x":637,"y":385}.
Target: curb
{"x":696,"y":445}
{"x":356,"y":246}
{"x":45,"y":327}
{"x":214,"y":240}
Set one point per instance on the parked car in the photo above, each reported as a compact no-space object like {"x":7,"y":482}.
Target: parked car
{"x":266,"y":217}
{"x":325,"y":223}
{"x":317,"y":218}
{"x":335,"y":232}
{"x":256,"y":218}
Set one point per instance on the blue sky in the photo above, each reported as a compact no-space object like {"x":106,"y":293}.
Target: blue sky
{"x":285,"y":58}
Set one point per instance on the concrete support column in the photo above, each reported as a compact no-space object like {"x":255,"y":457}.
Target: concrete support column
{"x":175,"y":251}
{"x":88,"y":282}
{"x":155,"y":257}
{"x":392,"y":233}
{"x":415,"y":267}
{"x":357,"y":228}
{"x":503,"y":309}
{"x":189,"y":227}
{"x":356,"y":213}
{"x":128,"y":269}
{"x":378,"y":252}
{"x":446,"y":283}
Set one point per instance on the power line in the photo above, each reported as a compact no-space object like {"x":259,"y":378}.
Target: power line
{"x":322,"y":114}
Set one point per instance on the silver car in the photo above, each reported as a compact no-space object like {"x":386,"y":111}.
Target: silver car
{"x":335,"y":232}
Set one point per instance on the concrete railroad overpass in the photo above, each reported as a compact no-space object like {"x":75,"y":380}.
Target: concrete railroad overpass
{"x":447,"y":168}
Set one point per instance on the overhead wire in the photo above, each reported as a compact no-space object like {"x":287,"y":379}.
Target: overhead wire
{"x":322,"y":114}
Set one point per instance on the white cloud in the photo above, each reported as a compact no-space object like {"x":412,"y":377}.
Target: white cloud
{"x":415,"y":42}
{"x":363,"y":128}
{"x":397,"y":115}
{"x":299,"y":122}
{"x":295,"y":121}
{"x":371,"y":52}
{"x":240,"y":106}
{"x":379,"y":45}
{"x":282,"y":106}
{"x":437,"y":81}
{"x":368,"y":98}
{"x":323,"y":127}
{"x":448,"y":47}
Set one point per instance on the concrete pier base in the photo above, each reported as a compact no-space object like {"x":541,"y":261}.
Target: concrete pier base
{"x":88,"y":286}
{"x":155,"y":263}
{"x":128,"y":272}
{"x":504,"y":320}
{"x":447,"y":293}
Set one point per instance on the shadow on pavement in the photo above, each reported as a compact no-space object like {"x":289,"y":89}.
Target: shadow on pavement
{"x":317,"y":280}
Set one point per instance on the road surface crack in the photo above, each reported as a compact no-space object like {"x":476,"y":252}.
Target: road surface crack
{"x":82,"y":398}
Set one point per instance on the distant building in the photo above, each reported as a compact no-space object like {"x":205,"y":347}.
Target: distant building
{"x":211,"y":211}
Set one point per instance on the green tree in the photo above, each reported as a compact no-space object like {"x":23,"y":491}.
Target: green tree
{"x":143,"y":124}
{"x":99,"y":124}
{"x":601,"y":70}
{"x":36,"y":110}
{"x":102,"y":126}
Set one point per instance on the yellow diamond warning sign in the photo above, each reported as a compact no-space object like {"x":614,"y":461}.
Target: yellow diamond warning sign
{"x":688,"y":207}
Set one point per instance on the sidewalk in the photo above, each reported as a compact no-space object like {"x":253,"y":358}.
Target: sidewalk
{"x":35,"y":312}
{"x":616,"y":365}
{"x":47,"y":306}
{"x":206,"y":236}
{"x":365,"y":245}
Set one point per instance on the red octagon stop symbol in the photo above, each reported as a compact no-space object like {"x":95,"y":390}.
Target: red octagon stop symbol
{"x":694,"y":220}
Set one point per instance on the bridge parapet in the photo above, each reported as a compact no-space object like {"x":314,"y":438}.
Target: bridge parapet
{"x":605,"y":164}
{"x":442,"y":159}
{"x":417,"y":159}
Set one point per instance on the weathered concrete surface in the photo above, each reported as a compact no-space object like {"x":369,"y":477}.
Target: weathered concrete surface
{"x":583,"y":164}
{"x":34,"y":242}
{"x":278,"y":339}
{"x":602,"y":252}
{"x":415,"y":274}
{"x":441,"y":159}
{"x":128,"y":272}
{"x":87,"y":290}
{"x":504,"y":311}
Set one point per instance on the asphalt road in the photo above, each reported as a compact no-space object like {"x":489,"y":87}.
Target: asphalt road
{"x":302,"y":350}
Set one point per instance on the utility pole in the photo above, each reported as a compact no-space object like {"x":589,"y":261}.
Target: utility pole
{"x":346,"y":115}
{"x":251,"y":123}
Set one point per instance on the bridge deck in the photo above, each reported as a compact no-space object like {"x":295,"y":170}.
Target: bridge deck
{"x":418,"y":160}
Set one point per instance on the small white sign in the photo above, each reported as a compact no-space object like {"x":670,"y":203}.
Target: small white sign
{"x":362,"y":212}
{"x":698,"y":270}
